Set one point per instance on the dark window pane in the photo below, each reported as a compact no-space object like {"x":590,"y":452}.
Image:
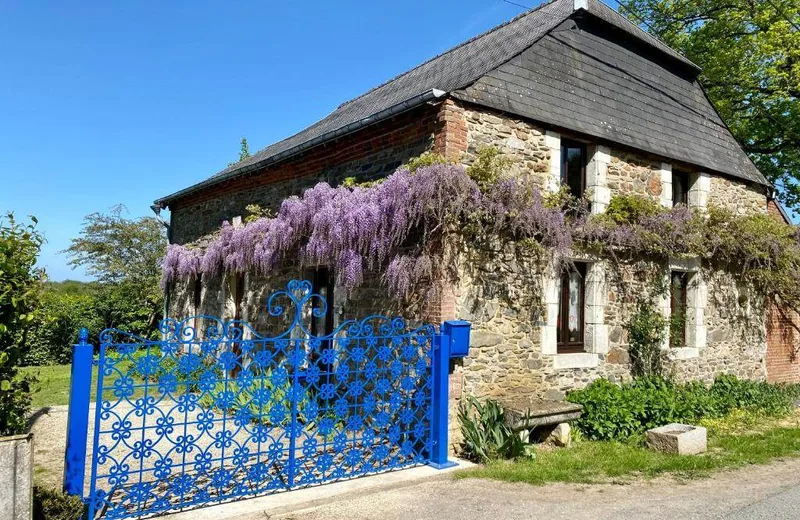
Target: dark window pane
{"x":677,"y":335}
{"x":238,"y":296}
{"x":573,"y":167}
{"x":198,"y":289}
{"x":680,"y":188}
{"x":322,"y":283}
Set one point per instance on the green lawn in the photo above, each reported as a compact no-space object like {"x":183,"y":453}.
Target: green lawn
{"x":593,"y":462}
{"x":53,"y":385}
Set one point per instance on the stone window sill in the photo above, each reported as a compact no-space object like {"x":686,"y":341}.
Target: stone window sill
{"x":579,"y":360}
{"x":684,"y":352}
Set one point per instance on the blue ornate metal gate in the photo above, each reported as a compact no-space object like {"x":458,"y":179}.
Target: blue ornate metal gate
{"x":215,"y":411}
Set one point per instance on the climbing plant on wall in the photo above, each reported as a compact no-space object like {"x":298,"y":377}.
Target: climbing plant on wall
{"x":401,"y":227}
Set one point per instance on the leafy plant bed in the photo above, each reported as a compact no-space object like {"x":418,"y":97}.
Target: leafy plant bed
{"x":735,"y":441}
{"x":619,"y":412}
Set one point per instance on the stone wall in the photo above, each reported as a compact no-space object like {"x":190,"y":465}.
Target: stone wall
{"x":630,"y":173}
{"x":517,"y":139}
{"x":737,"y":196}
{"x":507,"y":356}
{"x":500,"y":293}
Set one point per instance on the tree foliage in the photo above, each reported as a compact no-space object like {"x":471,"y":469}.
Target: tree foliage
{"x":124,"y":254}
{"x":20,"y":283}
{"x":244,"y":151}
{"x":750,"y":54}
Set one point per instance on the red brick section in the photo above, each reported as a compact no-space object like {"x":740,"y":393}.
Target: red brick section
{"x":450,"y":141}
{"x":783,"y":365}
{"x":404,"y":129}
{"x":783,"y":339}
{"x":451,"y":134}
{"x":772,"y":209}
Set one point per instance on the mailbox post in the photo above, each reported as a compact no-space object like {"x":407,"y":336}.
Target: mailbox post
{"x":453,"y":341}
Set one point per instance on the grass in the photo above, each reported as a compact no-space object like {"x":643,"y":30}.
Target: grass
{"x":733,"y":442}
{"x":52,"y":389}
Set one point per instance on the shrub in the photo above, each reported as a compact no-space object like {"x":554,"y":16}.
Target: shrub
{"x":619,"y":412}
{"x":486,"y":436}
{"x":631,"y":209}
{"x":55,"y":328}
{"x":20,"y":284}
{"x":51,"y":504}
{"x":647,"y":331}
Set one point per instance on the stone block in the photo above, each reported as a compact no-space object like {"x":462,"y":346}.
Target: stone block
{"x":16,"y":479}
{"x":485,"y":339}
{"x":560,"y":436}
{"x":682,"y":439}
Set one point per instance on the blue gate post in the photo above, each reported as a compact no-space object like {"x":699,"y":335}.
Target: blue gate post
{"x":78,"y":418}
{"x":453,"y":341}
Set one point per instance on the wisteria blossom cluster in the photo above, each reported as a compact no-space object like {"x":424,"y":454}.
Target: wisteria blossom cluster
{"x":396,"y":224}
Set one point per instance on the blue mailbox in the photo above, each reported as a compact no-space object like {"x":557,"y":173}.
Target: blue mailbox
{"x":458,"y":331}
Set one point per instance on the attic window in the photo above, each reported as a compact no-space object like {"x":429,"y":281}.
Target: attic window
{"x":573,"y":167}
{"x":680,"y":188}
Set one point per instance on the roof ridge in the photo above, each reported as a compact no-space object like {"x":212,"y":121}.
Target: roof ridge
{"x":451,"y":49}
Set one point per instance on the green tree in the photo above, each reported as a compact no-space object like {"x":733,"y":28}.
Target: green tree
{"x":20,"y":284}
{"x":244,"y":151}
{"x":125,"y":256}
{"x":750,"y":54}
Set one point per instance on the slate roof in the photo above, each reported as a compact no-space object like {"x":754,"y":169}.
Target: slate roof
{"x":582,"y":78}
{"x":458,"y":69}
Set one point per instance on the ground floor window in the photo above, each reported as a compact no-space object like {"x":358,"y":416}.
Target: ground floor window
{"x":238,"y":296}
{"x":677,"y":304}
{"x":570,"y":323}
{"x":196,"y":295}
{"x":322,"y":281}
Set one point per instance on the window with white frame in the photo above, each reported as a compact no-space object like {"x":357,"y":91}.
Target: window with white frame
{"x":684,"y":307}
{"x":575,"y":301}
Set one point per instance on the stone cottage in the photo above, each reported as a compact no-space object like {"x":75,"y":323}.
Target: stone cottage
{"x":575,"y":94}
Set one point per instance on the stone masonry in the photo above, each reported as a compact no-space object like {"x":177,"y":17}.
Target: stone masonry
{"x":503,"y":292}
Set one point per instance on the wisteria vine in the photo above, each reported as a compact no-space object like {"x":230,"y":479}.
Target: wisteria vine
{"x":398,"y":227}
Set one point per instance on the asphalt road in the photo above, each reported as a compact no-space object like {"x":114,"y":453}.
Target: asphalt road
{"x":756,"y":492}
{"x":785,"y":504}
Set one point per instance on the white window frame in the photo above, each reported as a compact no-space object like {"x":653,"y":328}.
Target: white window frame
{"x":696,"y":302}
{"x":595,"y":339}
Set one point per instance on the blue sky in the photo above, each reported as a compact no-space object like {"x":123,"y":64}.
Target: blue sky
{"x":105,"y":103}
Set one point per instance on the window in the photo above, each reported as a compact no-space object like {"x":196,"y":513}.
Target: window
{"x":198,"y":291}
{"x":680,"y":188}
{"x":573,"y":166}
{"x":322,"y":283}
{"x":238,"y":296}
{"x":677,"y":306}
{"x":569,"y":327}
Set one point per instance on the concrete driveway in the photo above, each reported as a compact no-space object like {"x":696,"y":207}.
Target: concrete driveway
{"x":756,"y":492}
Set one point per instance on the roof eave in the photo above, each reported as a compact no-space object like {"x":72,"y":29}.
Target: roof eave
{"x":404,"y":106}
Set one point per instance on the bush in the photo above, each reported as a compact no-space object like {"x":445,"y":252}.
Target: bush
{"x":51,"y":504}
{"x":619,"y":412}
{"x":631,"y":209}
{"x":20,"y":284}
{"x":647,"y":331}
{"x":486,"y":436}
{"x":56,"y":325}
